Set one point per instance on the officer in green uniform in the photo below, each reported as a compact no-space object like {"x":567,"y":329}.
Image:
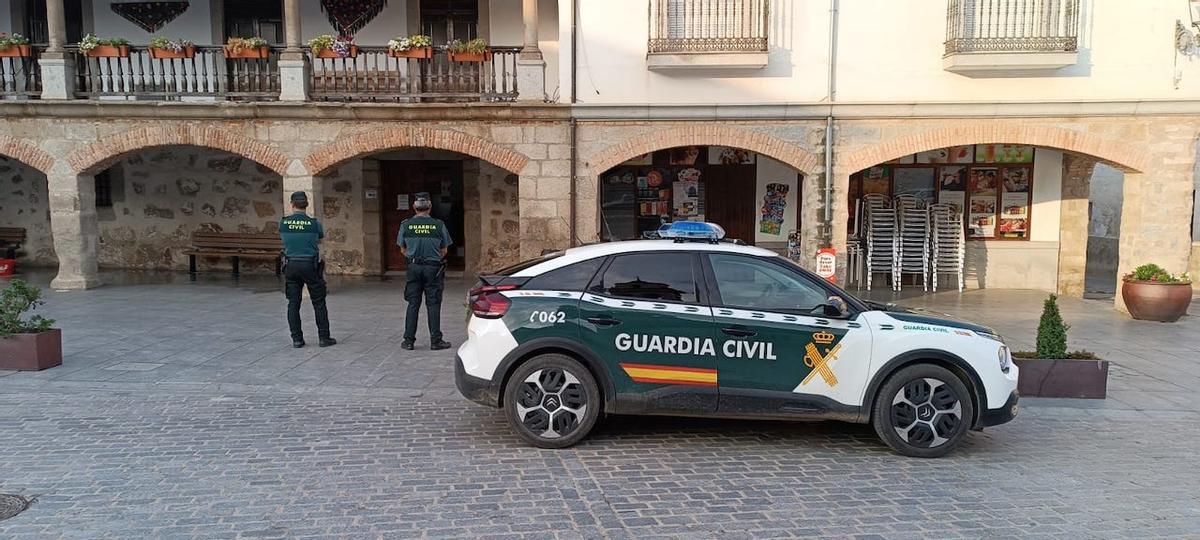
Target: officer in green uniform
{"x":424,"y":240}
{"x":303,"y":267}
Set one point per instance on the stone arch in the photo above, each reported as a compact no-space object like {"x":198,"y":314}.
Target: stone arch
{"x":785,"y":151}
{"x":1120,"y":154}
{"x":27,"y":153}
{"x":344,"y":149}
{"x":106,"y":151}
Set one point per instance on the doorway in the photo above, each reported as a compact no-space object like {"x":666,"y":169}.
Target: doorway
{"x":400,"y":181}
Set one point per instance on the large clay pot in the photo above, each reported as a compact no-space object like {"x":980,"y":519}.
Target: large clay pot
{"x":31,"y":351}
{"x":1152,"y":301}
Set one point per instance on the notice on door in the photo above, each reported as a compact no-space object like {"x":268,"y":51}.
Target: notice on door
{"x":402,"y":201}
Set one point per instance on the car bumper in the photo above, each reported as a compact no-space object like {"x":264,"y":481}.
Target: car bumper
{"x":1004,"y":414}
{"x":479,"y":390}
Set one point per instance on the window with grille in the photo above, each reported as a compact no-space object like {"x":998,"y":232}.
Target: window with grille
{"x":708,"y":26}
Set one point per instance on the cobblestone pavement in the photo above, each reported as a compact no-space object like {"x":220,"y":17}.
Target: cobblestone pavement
{"x":181,"y":411}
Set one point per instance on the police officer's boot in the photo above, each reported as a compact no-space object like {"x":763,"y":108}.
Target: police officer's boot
{"x":297,"y":342}
{"x":408,"y":344}
{"x":439,"y":345}
{"x":327,"y":342}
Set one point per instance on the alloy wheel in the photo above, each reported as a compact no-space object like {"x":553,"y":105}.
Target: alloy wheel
{"x":926,"y":413}
{"x":551,"y":403}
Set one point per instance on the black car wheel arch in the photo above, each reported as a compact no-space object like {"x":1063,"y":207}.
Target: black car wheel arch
{"x":954,"y":364}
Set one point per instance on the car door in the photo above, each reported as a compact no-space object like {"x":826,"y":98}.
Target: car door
{"x":645,"y":316}
{"x":777,"y":356}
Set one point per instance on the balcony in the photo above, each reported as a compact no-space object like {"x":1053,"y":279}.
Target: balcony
{"x":21,"y":76}
{"x":1011,"y":35}
{"x":707,"y":34}
{"x":374,"y":75}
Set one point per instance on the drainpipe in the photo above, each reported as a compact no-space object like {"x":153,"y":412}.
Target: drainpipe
{"x":573,"y":126}
{"x":830,"y":97}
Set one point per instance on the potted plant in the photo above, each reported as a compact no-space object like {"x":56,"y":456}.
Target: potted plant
{"x":14,"y":45}
{"x":327,"y":46}
{"x":26,"y":344}
{"x":475,"y":50}
{"x":418,"y":46}
{"x":96,"y":47}
{"x":247,"y":47}
{"x":165,"y":48}
{"x":1051,"y":371}
{"x":1153,"y":294}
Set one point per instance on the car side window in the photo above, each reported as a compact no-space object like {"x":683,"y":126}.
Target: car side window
{"x":751,"y":283}
{"x":649,"y":276}
{"x":573,"y":277}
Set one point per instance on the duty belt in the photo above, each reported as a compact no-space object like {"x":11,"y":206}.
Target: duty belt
{"x":426,"y":262}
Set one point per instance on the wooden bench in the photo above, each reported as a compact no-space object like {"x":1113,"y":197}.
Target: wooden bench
{"x":236,"y":246}
{"x":11,"y":239}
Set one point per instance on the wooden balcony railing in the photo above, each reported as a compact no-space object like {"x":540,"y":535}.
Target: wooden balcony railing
{"x":21,"y":76}
{"x":708,"y":26}
{"x":374,"y":75}
{"x":207,"y":74}
{"x":1012,"y":26}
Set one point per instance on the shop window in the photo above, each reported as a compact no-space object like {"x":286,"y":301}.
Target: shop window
{"x":650,"y":276}
{"x":104,"y":194}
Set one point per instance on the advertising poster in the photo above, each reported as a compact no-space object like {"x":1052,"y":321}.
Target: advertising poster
{"x":954,"y":199}
{"x":953,"y":154}
{"x":918,"y":181}
{"x":725,"y":155}
{"x":1014,"y":205}
{"x":773,"y":210}
{"x":1003,"y":153}
{"x":1014,"y":228}
{"x":685,"y":155}
{"x":877,"y":180}
{"x":981,"y":217}
{"x":984,"y":181}
{"x":1016,"y":180}
{"x":687,"y":193}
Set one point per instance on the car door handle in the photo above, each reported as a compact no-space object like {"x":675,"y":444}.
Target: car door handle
{"x":739,"y":332}
{"x":603,"y":321}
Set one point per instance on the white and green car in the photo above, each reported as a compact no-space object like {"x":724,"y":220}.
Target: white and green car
{"x":712,"y":328}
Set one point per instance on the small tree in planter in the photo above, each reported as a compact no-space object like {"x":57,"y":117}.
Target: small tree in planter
{"x":1154,"y":294}
{"x":475,"y":50}
{"x":162,"y":48}
{"x":417,"y":46}
{"x":28,"y":344}
{"x":96,"y":47}
{"x":327,"y":46}
{"x":1051,"y":371}
{"x":247,"y":47}
{"x":14,"y":45}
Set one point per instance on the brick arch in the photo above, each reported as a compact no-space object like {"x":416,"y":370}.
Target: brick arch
{"x":762,"y":143}
{"x":362,"y":144}
{"x":106,"y":151}
{"x":1121,"y":154}
{"x":26,"y":152}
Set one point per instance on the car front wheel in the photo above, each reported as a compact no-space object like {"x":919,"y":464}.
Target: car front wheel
{"x":552,"y":401}
{"x":923,"y":411}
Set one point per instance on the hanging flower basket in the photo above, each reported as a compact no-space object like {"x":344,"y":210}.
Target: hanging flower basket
{"x":423,"y":53}
{"x":471,"y":56}
{"x":163,"y":54}
{"x":251,"y":53}
{"x":16,"y":51}
{"x":332,"y":53}
{"x":108,"y":51}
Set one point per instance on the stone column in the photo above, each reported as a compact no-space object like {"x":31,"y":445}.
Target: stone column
{"x":1073,"y":224}
{"x":58,"y":68}
{"x":531,"y":67}
{"x":313,"y":186}
{"x":544,"y":207}
{"x":76,"y":231}
{"x":293,"y":62}
{"x":1156,"y":215}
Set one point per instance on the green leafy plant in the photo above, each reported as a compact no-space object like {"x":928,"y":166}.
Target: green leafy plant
{"x":238,"y":45}
{"x":1155,"y":273}
{"x":339,"y":45}
{"x":1052,"y":331}
{"x":12,"y":40}
{"x":15,"y":301}
{"x":418,"y":41}
{"x":475,"y":46}
{"x":90,"y":42}
{"x":176,"y":45}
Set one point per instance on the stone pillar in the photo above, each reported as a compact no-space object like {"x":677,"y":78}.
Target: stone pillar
{"x":58,"y":68}
{"x":1073,"y":224}
{"x":313,"y":186}
{"x":76,"y":231}
{"x":545,"y":207}
{"x":293,"y":62}
{"x":1156,"y":215}
{"x":531,"y":67}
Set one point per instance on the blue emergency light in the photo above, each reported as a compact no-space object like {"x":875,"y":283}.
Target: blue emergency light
{"x":692,"y":230}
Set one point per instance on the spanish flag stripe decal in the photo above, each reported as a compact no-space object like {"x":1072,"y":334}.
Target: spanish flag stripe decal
{"x":654,"y":374}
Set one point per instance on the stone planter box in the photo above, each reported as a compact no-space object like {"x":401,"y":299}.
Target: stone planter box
{"x":31,"y":352}
{"x":330,"y":53}
{"x":255,"y":53}
{"x":16,"y":51}
{"x":109,"y":51}
{"x":1062,"y":378}
{"x":164,"y":54}
{"x":423,"y":53}
{"x":1152,"y":301}
{"x":470,"y":57}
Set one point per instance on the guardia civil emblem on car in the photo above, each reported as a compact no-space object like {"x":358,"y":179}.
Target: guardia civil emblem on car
{"x":693,"y":324}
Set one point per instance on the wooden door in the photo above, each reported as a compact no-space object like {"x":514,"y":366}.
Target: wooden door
{"x":400,"y":182}
{"x":729,"y":199}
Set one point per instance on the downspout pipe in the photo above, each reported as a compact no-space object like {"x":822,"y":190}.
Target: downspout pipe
{"x":573,"y":127}
{"x":830,"y":98}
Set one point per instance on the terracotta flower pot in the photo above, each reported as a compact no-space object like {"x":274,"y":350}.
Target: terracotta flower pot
{"x":16,"y":51}
{"x":109,"y":51}
{"x":162,"y":54}
{"x":1153,"y":301}
{"x":330,"y":53}
{"x":255,"y":53}
{"x":420,"y":52}
{"x":470,"y":57}
{"x":31,"y":352}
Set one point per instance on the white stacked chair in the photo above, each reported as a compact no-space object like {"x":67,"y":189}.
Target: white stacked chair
{"x":854,"y":248}
{"x":948,"y":243}
{"x":912,"y":244}
{"x":880,"y":226}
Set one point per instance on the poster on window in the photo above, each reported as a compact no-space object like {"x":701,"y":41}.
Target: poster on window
{"x":981,"y":217}
{"x":687,"y":193}
{"x":877,"y":180}
{"x":983,"y":181}
{"x":917,"y":181}
{"x":1003,"y":153}
{"x":954,"y":199}
{"x":774,"y":209}
{"x":726,"y":155}
{"x":953,"y":154}
{"x":1014,"y":205}
{"x":1016,"y":180}
{"x":684,"y":155}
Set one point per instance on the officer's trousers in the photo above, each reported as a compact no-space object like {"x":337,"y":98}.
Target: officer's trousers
{"x":429,"y":280}
{"x":299,"y":274}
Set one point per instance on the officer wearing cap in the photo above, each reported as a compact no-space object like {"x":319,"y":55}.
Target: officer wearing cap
{"x":303,"y":267}
{"x":424,"y":241}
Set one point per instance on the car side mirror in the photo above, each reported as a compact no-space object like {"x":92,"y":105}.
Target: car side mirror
{"x":835,"y":307}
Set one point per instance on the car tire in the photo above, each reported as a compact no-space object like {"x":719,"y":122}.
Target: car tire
{"x":552,"y":401}
{"x":923,"y":411}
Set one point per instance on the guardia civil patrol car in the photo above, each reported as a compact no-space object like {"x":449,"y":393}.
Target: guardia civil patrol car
{"x":713,"y":328}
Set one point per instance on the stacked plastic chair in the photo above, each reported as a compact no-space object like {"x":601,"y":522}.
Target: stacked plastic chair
{"x":947,"y":241}
{"x":854,"y":248}
{"x":879,"y":220}
{"x":912,"y":241}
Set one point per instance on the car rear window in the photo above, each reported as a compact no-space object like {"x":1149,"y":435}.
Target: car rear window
{"x":527,"y":264}
{"x":573,"y":277}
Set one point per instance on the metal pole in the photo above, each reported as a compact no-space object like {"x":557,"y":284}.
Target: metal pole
{"x":830,"y":97}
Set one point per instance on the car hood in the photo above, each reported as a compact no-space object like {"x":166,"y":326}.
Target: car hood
{"x":925,"y":316}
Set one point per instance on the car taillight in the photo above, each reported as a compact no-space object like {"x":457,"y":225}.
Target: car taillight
{"x":488,"y":303}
